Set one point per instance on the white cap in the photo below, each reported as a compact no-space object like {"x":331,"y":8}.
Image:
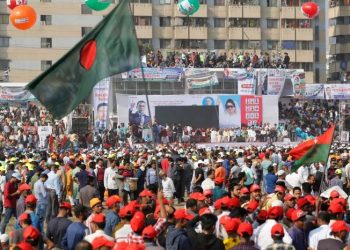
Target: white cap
{"x":280,"y":172}
{"x":219,"y":161}
{"x":17,"y":176}
{"x":276,"y":203}
{"x":200,"y":162}
{"x":4,"y":238}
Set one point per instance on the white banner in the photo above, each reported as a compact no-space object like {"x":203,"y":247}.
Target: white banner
{"x":246,"y":86}
{"x":275,"y":81}
{"x":43,"y":133}
{"x":314,"y":91}
{"x":337,"y":91}
{"x":100,"y":102}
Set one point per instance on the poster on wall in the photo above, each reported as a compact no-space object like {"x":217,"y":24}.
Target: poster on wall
{"x":251,"y":110}
{"x":200,"y":78}
{"x":275,"y":81}
{"x":337,"y":91}
{"x":43,"y":133}
{"x":262,"y":82}
{"x":229,"y":111}
{"x":297,"y":76}
{"x":100,"y":102}
{"x":314,"y":91}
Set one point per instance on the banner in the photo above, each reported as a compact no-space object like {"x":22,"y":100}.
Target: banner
{"x":246,"y":86}
{"x":251,"y":111}
{"x":337,"y":91}
{"x":200,"y":78}
{"x":43,"y":133}
{"x":275,"y":81}
{"x":239,"y":73}
{"x":297,"y":76}
{"x":262,"y":82}
{"x":314,"y":91}
{"x":15,"y":94}
{"x":155,"y":74}
{"x":100,"y":102}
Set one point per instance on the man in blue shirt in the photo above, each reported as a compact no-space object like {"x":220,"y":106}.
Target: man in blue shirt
{"x":76,"y":231}
{"x":41,"y":196}
{"x":112,"y":218}
{"x":271,"y":180}
{"x":53,"y":186}
{"x":297,"y":232}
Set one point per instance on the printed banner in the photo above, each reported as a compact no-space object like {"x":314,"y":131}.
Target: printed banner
{"x":297,"y":76}
{"x":200,"y":78}
{"x":155,"y":74}
{"x":100,"y":102}
{"x":251,"y":111}
{"x":314,"y":91}
{"x":43,"y":133}
{"x":275,"y":81}
{"x":337,"y":91}
{"x":262,"y":82}
{"x":246,"y":86}
{"x":239,"y":74}
{"x":15,"y":94}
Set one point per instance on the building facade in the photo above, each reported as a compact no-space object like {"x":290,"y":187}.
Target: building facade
{"x":231,"y":26}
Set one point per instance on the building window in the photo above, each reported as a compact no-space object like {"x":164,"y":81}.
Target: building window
{"x":219,"y":44}
{"x":272,"y":45}
{"x":45,"y":19}
{"x":4,"y":41}
{"x":219,"y":22}
{"x":85,"y":10}
{"x":46,"y":42}
{"x":304,"y":45}
{"x":45,"y":65}
{"x":199,"y":22}
{"x":85,"y":30}
{"x":234,"y":44}
{"x":219,"y":2}
{"x":296,"y":23}
{"x":142,"y":20}
{"x":4,"y":64}
{"x":245,"y":22}
{"x":272,"y":23}
{"x":194,"y":44}
{"x":4,"y":19}
{"x":288,"y":44}
{"x":165,"y":43}
{"x":165,"y":21}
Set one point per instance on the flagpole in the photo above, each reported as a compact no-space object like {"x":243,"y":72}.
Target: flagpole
{"x":147,"y":101}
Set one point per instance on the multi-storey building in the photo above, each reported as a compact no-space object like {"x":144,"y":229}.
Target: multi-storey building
{"x":231,"y":26}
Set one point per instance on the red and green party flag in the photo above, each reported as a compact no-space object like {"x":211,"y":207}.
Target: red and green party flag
{"x":313,"y":150}
{"x":110,"y":48}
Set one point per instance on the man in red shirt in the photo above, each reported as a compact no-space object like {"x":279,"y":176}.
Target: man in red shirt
{"x":11,"y":195}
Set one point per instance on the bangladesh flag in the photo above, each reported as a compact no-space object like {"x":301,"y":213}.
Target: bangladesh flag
{"x":110,"y":48}
{"x":314,"y":150}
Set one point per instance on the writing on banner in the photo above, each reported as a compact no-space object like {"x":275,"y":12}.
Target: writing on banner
{"x":275,"y":81}
{"x":154,"y":74}
{"x":200,"y":78}
{"x":337,"y":91}
{"x":246,"y":86}
{"x":251,"y":111}
{"x":314,"y":91}
{"x":43,"y":133}
{"x":15,"y":94}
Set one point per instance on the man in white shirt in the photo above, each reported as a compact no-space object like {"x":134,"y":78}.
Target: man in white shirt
{"x":303,"y":172}
{"x":110,"y":180}
{"x":97,"y":225}
{"x":294,"y":180}
{"x":208,"y":183}
{"x":320,"y":233}
{"x":167,"y":186}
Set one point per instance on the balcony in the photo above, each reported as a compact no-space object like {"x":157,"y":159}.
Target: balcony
{"x":340,"y":29}
{"x":249,"y":11}
{"x":141,"y":9}
{"x":247,"y":34}
{"x":292,"y":13}
{"x":163,"y":10}
{"x":16,"y":53}
{"x":339,"y":11}
{"x":202,"y":11}
{"x":54,"y":8}
{"x":38,"y":31}
{"x":143,"y":32}
{"x":288,"y":34}
{"x":23,"y":75}
{"x":335,"y":67}
{"x":217,"y":11}
{"x":218,"y":33}
{"x":181,"y":32}
{"x":301,"y":55}
{"x":163,"y":32}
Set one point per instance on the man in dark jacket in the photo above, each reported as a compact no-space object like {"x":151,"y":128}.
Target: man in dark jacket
{"x":177,"y":238}
{"x":339,"y":234}
{"x":207,"y":239}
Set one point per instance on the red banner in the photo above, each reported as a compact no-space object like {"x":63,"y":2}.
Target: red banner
{"x":251,"y":110}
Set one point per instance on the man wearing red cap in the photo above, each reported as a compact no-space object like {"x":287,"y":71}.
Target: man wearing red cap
{"x":218,"y":191}
{"x":339,"y":233}
{"x":277,"y":234}
{"x":97,"y":225}
{"x":16,"y":236}
{"x":245,"y":231}
{"x":112,"y":218}
{"x":57,"y":227}
{"x":30,"y":203}
{"x":297,"y":232}
{"x":149,"y":235}
{"x":20,"y":205}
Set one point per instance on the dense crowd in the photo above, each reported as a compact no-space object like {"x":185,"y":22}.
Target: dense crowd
{"x":174,"y":197}
{"x":212,"y":60}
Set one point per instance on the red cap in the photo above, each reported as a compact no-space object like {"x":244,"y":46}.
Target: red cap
{"x":149,"y":232}
{"x":288,"y":197}
{"x":208,"y":192}
{"x":289,"y":213}
{"x":311,"y":199}
{"x":339,"y":226}
{"x":254,"y":188}
{"x":280,"y":189}
{"x":277,"y":230}
{"x":114,"y":199}
{"x":219,"y":180}
{"x":252,"y":205}
{"x":24,"y":187}
{"x":334,"y":194}
{"x":182,"y":214}
{"x":66,"y":205}
{"x":245,"y":227}
{"x":234,"y":202}
{"x":24,"y":246}
{"x":24,"y":216}
{"x":146,"y":193}
{"x":244,"y":190}
{"x":275,"y":212}
{"x":137,"y":222}
{"x":197,"y":196}
{"x":204,"y":210}
{"x":99,"y":218}
{"x":335,"y":208}
{"x":340,"y":201}
{"x":30,"y":232}
{"x":302,"y":202}
{"x":230,"y":224}
{"x":30,"y":199}
{"x":101,"y":241}
{"x":297,"y":214}
{"x":262,"y":215}
{"x":217,"y":204}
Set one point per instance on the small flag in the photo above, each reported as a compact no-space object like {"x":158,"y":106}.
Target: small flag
{"x":314,"y":150}
{"x":110,"y":48}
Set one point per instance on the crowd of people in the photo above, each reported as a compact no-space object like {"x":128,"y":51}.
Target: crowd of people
{"x":211,"y":59}
{"x":174,"y":197}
